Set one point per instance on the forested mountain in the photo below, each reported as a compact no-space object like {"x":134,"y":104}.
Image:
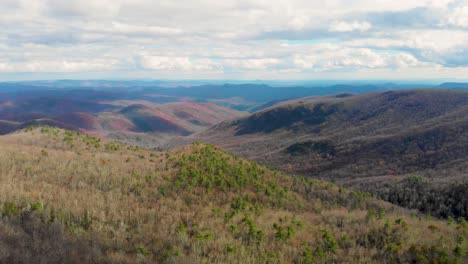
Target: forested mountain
{"x":366,"y":141}
{"x":67,"y":197}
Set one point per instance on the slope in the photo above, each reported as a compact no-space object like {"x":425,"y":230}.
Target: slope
{"x":355,"y":140}
{"x":137,"y":122}
{"x":147,"y":119}
{"x":69,"y":197}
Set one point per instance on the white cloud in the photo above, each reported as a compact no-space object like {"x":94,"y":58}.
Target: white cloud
{"x":251,"y":38}
{"x":305,"y":62}
{"x":335,"y":57}
{"x":252,"y":64}
{"x":350,"y":26}
{"x":164,"y":63}
{"x":299,"y":22}
{"x":38,"y":66}
{"x":5,"y":67}
{"x":83,"y":8}
{"x":137,"y":29}
{"x":459,"y":17}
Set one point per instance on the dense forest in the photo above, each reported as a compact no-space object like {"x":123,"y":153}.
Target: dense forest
{"x":448,"y":200}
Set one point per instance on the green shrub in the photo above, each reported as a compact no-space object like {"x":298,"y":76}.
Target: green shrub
{"x":142,"y":250}
{"x":37,"y":206}
{"x":433,"y":254}
{"x":204,"y":236}
{"x":307,"y":254}
{"x":10,"y":209}
{"x":230,"y":248}
{"x":254,"y":234}
{"x":329,"y":241}
{"x":284,"y":233}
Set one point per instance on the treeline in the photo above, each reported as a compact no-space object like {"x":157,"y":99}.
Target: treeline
{"x":416,"y":192}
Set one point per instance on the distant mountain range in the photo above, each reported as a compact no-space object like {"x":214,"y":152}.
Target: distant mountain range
{"x":154,"y":106}
{"x":453,"y":85}
{"x":129,"y":110}
{"x":245,"y":97}
{"x":137,"y":122}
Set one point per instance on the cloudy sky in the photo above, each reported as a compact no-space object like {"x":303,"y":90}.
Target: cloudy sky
{"x":226,"y":39}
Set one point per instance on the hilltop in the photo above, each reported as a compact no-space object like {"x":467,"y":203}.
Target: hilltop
{"x":70,"y":197}
{"x":368,"y":141}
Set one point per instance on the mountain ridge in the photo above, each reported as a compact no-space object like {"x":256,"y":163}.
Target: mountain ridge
{"x":95,"y":200}
{"x":346,"y":140}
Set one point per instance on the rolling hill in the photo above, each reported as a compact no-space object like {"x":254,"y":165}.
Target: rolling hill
{"x":55,"y":106}
{"x":147,"y":119}
{"x":81,"y":120}
{"x":363,"y":141}
{"x":137,"y":122}
{"x":238,"y":96}
{"x":67,"y":197}
{"x":149,"y":124}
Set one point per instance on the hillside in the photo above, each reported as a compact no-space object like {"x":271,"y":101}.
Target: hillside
{"x":360,"y":140}
{"x":148,"y":124}
{"x":147,"y":119}
{"x":81,"y":120}
{"x":69,"y":197}
{"x":133,"y":121}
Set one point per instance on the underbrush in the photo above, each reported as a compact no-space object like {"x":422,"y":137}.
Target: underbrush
{"x":86,"y":200}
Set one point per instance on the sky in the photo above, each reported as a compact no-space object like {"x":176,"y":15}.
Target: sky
{"x":225,"y":39}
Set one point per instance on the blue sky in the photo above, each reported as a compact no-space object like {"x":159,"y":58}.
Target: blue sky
{"x":243,"y":39}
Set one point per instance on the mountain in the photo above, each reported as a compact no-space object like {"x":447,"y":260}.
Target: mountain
{"x":362,"y":141}
{"x":149,"y":124}
{"x":138,"y":122}
{"x":246,"y":97}
{"x":68,"y":197}
{"x":81,"y":120}
{"x":238,"y":96}
{"x":147,"y":119}
{"x":454,"y":85}
{"x":55,"y":106}
{"x":8,"y":126}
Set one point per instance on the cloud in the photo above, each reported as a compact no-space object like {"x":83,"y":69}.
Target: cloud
{"x":459,"y":17}
{"x":420,"y":17}
{"x":251,"y":64}
{"x":431,"y":46}
{"x":5,"y":67}
{"x":83,"y":8}
{"x":299,"y":22}
{"x":350,"y":26}
{"x":233,"y":38}
{"x":38,"y":66}
{"x":143,"y":30}
{"x":335,"y":58}
{"x":164,"y":63}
